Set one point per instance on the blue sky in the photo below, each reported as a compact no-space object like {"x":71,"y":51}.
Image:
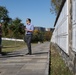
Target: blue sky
{"x":37,"y":10}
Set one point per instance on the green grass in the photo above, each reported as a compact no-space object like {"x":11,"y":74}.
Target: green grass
{"x":58,"y":66}
{"x":9,"y":46}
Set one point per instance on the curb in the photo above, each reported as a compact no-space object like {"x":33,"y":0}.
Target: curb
{"x":47,"y":70}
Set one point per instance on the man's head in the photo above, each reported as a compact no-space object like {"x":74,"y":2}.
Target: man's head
{"x":28,"y":21}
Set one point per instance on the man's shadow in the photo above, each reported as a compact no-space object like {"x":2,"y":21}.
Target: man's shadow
{"x":40,"y":53}
{"x":18,"y":54}
{"x":10,"y":54}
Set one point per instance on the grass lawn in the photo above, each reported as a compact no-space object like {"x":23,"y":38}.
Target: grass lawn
{"x":9,"y":46}
{"x":58,"y":66}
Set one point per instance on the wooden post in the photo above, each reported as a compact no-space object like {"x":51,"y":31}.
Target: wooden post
{"x":72,"y":54}
{"x":70,"y":25}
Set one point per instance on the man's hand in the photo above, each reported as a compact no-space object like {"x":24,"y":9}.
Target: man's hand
{"x":26,"y":29}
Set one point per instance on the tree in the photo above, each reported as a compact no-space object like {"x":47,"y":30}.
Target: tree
{"x":37,"y":36}
{"x":4,"y":18}
{"x":55,"y":6}
{"x":10,"y":27}
{"x":3,"y":13}
{"x":48,"y":35}
{"x":5,"y":27}
{"x":17,"y":28}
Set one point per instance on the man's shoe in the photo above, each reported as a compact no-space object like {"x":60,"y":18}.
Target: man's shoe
{"x":27,"y":54}
{"x":30,"y":53}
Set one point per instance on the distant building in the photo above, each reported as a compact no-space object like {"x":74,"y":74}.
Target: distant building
{"x":50,"y":29}
{"x":40,"y":28}
{"x":44,"y":29}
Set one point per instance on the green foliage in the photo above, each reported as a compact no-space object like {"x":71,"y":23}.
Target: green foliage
{"x":11,"y":28}
{"x":3,"y":13}
{"x":4,"y":18}
{"x":37,"y":36}
{"x":16,"y":28}
{"x":5,"y":28}
{"x":55,"y":6}
{"x":41,"y":36}
{"x":10,"y":46}
{"x":58,"y":66}
{"x":48,"y":35}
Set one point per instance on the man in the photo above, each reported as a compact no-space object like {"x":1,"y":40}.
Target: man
{"x":0,"y":38}
{"x":28,"y":35}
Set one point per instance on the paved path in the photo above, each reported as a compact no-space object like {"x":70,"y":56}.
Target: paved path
{"x":17,"y":63}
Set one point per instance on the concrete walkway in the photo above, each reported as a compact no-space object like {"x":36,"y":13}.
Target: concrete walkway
{"x":17,"y":63}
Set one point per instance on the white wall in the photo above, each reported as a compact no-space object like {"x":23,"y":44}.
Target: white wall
{"x":60,"y":34}
{"x":12,"y":39}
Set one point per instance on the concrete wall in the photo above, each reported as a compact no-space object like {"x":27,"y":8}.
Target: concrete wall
{"x":64,"y":35}
{"x":60,"y":34}
{"x":12,"y":39}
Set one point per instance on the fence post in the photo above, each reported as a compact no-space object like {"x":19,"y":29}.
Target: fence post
{"x":72,"y":54}
{"x":70,"y":25}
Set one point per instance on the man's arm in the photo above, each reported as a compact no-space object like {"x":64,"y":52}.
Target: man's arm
{"x":31,"y":30}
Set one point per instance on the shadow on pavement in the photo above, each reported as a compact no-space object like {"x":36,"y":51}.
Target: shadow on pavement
{"x":8,"y":54}
{"x":18,"y":54}
{"x":40,"y":53}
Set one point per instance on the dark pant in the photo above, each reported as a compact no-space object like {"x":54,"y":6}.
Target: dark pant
{"x":28,"y":39}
